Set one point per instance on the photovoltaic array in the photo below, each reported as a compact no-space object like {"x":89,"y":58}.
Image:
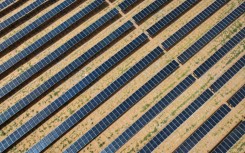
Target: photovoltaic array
{"x":149,"y":115}
{"x":237,"y":97}
{"x":5,"y":4}
{"x":101,"y":98}
{"x":58,"y":52}
{"x":54,"y":33}
{"x":126,"y":4}
{"x":143,"y":14}
{"x":64,"y":72}
{"x":211,"y":61}
{"x":179,"y":120}
{"x":228,"y":74}
{"x":200,"y":18}
{"x":184,"y":115}
{"x":123,"y":107}
{"x":230,"y":139}
{"x":108,"y":15}
{"x":72,"y":92}
{"x":36,"y":24}
{"x":195,"y":137}
{"x":173,"y":15}
{"x":13,"y":19}
{"x":211,"y":34}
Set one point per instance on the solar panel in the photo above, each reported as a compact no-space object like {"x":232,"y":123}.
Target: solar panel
{"x":191,"y":25}
{"x":149,"y":115}
{"x":211,"y":61}
{"x":64,"y":72}
{"x":173,"y":15}
{"x":58,"y":52}
{"x":195,"y":137}
{"x":100,"y":98}
{"x":237,"y":97}
{"x":178,"y":121}
{"x":6,"y":3}
{"x":126,"y":3}
{"x":231,"y":139}
{"x":149,"y":10}
{"x":55,"y":32}
{"x":34,"y":25}
{"x":211,"y":34}
{"x":72,"y":92}
{"x":11,"y":20}
{"x":228,"y":75}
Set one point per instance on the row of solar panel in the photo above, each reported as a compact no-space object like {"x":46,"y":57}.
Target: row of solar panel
{"x":34,"y":25}
{"x":123,"y":107}
{"x":211,"y":34}
{"x":126,"y":4}
{"x":149,"y":115}
{"x":237,"y":97}
{"x":65,"y":72}
{"x":72,"y":92}
{"x":170,"y":17}
{"x":211,"y":61}
{"x":228,"y":74}
{"x":178,"y":121}
{"x":143,"y":14}
{"x":184,"y":115}
{"x":58,"y":52}
{"x":11,"y":20}
{"x":5,"y":4}
{"x":98,"y":100}
{"x":195,"y":137}
{"x":52,"y":34}
{"x":197,"y":20}
{"x":230,"y":139}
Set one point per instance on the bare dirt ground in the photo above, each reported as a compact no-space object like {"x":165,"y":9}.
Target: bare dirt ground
{"x":150,"y":130}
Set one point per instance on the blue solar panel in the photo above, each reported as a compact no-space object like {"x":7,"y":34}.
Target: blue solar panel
{"x":211,"y":61}
{"x":126,"y":3}
{"x":149,"y":10}
{"x":195,"y":137}
{"x":98,"y":100}
{"x":58,"y":52}
{"x":11,"y":20}
{"x":173,"y":15}
{"x":228,"y":75}
{"x":149,"y":115}
{"x":6,"y":3}
{"x":74,"y":91}
{"x":64,"y":72}
{"x":237,"y":97}
{"x":34,"y":25}
{"x":230,"y":139}
{"x":178,"y":121}
{"x":191,"y":25}
{"x":211,"y":34}
{"x":52,"y":34}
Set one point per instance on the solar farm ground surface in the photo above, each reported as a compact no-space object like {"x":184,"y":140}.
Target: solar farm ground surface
{"x":138,"y":141}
